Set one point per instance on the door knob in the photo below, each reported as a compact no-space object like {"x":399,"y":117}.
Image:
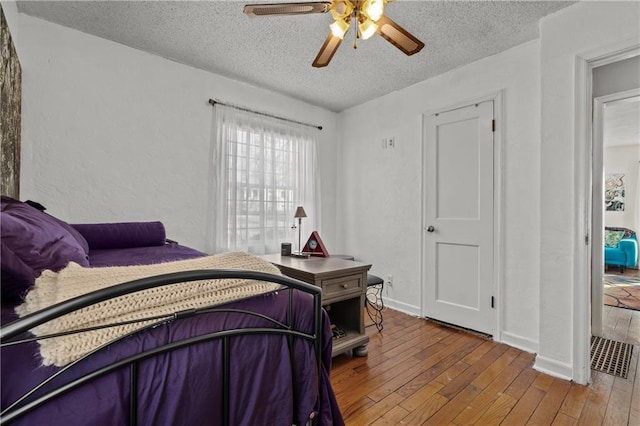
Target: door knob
{"x":431,"y":228}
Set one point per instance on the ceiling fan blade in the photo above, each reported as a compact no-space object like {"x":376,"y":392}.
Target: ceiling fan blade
{"x":262,"y":9}
{"x":327,"y":50}
{"x":398,"y":36}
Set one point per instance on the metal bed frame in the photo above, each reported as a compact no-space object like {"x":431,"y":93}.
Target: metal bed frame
{"x":10,"y":334}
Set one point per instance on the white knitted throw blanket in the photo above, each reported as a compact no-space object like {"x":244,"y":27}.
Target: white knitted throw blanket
{"x":51,"y":288}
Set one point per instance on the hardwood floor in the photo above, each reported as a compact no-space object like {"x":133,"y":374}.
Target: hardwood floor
{"x":418,"y":372}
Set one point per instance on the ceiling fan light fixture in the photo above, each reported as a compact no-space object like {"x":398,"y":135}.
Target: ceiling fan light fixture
{"x":374,"y":9}
{"x":339,"y":28}
{"x":367,"y":28}
{"x":368,"y":16}
{"x":341,"y":9}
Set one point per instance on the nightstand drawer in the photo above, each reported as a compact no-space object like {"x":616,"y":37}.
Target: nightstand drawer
{"x":343,"y":285}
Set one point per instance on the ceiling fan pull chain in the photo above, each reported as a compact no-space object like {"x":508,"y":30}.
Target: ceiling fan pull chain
{"x":357,"y":29}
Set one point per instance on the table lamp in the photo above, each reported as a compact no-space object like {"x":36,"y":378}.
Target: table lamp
{"x":300,"y":213}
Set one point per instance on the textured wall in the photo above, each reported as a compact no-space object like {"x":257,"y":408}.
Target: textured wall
{"x":10,"y":112}
{"x":111,"y":133}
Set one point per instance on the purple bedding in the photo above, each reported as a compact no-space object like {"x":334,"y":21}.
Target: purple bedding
{"x":269,"y":384}
{"x":33,"y":241}
{"x":141,"y":255}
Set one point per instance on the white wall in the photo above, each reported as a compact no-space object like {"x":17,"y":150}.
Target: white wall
{"x":625,"y":159}
{"x":114,"y":134}
{"x":10,"y":10}
{"x":564,"y":37}
{"x":616,"y":77}
{"x":381,"y":196}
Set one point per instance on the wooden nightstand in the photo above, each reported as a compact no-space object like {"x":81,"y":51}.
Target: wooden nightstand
{"x":344,"y":286}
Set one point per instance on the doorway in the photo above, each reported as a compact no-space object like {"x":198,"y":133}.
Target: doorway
{"x":616,"y":202}
{"x":587,"y":230}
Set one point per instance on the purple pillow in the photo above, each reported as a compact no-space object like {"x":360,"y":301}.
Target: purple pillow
{"x":74,"y":233}
{"x":33,"y":241}
{"x":122,"y":235}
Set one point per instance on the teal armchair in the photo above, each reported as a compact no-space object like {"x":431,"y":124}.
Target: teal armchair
{"x":621,"y":248}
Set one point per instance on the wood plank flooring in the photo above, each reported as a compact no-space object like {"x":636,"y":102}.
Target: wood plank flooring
{"x":418,"y":372}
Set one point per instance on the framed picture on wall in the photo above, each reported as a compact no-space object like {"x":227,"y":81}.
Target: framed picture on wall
{"x":614,"y":192}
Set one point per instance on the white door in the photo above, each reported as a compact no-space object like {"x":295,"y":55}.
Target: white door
{"x":458,"y":234}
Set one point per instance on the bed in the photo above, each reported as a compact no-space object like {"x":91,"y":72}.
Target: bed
{"x":194,"y":339}
{"x":259,"y":360}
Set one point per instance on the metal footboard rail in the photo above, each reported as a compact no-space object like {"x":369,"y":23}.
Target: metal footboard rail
{"x":23,"y":325}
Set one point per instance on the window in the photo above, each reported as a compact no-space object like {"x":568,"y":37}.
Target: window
{"x":263,"y":169}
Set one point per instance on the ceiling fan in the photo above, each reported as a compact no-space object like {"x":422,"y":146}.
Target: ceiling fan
{"x":368,"y":16}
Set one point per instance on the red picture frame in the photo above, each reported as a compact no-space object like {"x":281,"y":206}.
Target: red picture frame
{"x":314,"y":246}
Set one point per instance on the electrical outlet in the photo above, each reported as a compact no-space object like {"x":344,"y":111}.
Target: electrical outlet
{"x":390,"y":280}
{"x":388,"y":143}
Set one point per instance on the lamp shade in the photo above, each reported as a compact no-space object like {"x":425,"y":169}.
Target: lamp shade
{"x":341,"y":9}
{"x":300,"y":212}
{"x":339,"y":28}
{"x":374,"y":9}
{"x":367,"y":29}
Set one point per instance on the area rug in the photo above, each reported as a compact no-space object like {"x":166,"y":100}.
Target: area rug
{"x":622,"y":292}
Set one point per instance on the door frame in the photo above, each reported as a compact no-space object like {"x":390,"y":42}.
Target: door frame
{"x":497,"y":98}
{"x":597,"y":255}
{"x":583,"y":203}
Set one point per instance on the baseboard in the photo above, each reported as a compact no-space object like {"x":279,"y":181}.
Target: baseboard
{"x":401,"y":306}
{"x":522,"y":343}
{"x":553,"y":368}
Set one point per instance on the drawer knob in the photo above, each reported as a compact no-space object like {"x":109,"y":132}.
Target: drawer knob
{"x":344,"y":286}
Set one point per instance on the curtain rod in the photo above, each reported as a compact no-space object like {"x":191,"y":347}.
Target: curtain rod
{"x":214,"y":102}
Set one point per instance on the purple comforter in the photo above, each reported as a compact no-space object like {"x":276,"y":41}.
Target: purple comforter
{"x":269,"y":383}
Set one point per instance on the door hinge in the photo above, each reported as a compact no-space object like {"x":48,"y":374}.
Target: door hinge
{"x":493,"y":125}
{"x":493,"y":302}
{"x":586,"y":240}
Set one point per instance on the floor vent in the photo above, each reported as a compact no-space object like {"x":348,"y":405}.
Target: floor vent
{"x":610,"y":356}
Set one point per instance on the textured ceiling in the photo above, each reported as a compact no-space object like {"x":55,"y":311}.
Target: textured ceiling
{"x":277,"y":52}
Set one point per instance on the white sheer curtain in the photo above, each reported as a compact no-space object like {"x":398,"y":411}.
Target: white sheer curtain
{"x":262,"y":169}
